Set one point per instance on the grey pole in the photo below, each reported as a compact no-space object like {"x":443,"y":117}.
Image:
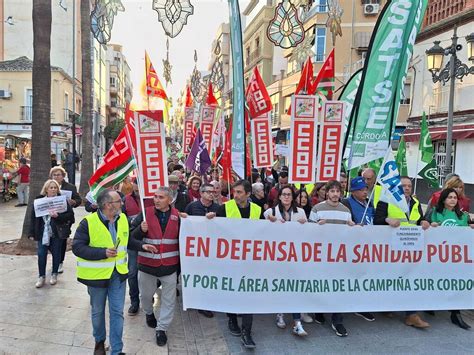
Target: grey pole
{"x":73,"y":127}
{"x":449,"y":132}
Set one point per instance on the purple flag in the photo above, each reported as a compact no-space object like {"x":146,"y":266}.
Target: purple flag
{"x":198,"y":159}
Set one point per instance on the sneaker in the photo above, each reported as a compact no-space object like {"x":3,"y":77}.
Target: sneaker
{"x":133,"y":310}
{"x":339,"y":329}
{"x":414,"y":320}
{"x":150,"y":320}
{"x":247,"y":340}
{"x":99,"y":348}
{"x":369,"y":317}
{"x":60,"y":268}
{"x":207,"y":314}
{"x":40,"y":282}
{"x":234,"y":327}
{"x":306,"y":318}
{"x":280,"y":321}
{"x":319,"y":318}
{"x":161,"y":338}
{"x":53,"y":280}
{"x":298,"y":329}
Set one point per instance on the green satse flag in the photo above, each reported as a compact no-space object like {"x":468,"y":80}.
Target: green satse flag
{"x":402,"y":158}
{"x":378,"y":98}
{"x":430,"y":174}
{"x":426,"y":146}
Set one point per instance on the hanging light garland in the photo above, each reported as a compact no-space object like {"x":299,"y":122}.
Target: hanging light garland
{"x":102,"y":18}
{"x":196,"y":79}
{"x":173,"y":14}
{"x":285,"y":30}
{"x":167,"y":65}
{"x":217,"y":71}
{"x":334,"y":19}
{"x":304,"y":50}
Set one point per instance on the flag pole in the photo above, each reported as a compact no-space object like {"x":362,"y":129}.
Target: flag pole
{"x":416,"y":170}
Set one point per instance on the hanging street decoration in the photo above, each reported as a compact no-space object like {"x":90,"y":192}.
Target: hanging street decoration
{"x":217,"y":71}
{"x":167,"y":65}
{"x":173,"y":14}
{"x":303,"y":51}
{"x":102,"y":18}
{"x":285,"y":29}
{"x":196,"y":79}
{"x":334,"y":19}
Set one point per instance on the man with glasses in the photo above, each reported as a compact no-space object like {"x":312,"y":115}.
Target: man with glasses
{"x":100,"y":244}
{"x":59,"y":174}
{"x":205,"y":206}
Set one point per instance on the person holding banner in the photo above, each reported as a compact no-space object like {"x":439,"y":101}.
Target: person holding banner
{"x":287,"y":211}
{"x":241,"y":207}
{"x":392,"y":215}
{"x":454,"y":182}
{"x":448,"y":213}
{"x":334,"y":212}
{"x":59,"y":174}
{"x":362,"y":210}
{"x":100,"y":244}
{"x":49,"y":231}
{"x":161,"y":228}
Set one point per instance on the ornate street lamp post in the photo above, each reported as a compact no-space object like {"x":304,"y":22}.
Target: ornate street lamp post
{"x":453,"y":70}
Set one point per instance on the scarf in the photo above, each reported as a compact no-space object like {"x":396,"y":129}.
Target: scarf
{"x":194,"y":195}
{"x":47,"y":231}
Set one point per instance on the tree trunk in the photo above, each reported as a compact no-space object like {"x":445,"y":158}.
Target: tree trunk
{"x":41,"y":117}
{"x":87,"y":149}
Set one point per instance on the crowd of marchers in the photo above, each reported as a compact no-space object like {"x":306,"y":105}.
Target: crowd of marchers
{"x":118,"y":242}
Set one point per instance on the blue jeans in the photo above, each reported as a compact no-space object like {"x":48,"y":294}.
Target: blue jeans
{"x":133,"y":278}
{"x":55,"y":249}
{"x":116,"y":295}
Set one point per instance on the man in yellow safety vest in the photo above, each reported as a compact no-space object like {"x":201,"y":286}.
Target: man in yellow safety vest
{"x":100,"y":244}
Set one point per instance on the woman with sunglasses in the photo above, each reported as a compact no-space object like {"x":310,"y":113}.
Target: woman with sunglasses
{"x":287,"y":211}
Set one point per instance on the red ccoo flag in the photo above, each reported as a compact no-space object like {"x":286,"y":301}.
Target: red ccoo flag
{"x":211,"y":99}
{"x":257,"y":97}
{"x":306,"y":81}
{"x":153,"y":84}
{"x":189,"y":98}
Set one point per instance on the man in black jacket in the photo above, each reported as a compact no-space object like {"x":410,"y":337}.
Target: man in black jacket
{"x":58,"y":173}
{"x":180,"y":197}
{"x":100,"y":243}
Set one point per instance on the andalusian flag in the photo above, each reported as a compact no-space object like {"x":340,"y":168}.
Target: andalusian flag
{"x":117,"y":165}
{"x":153,"y":84}
{"x":429,"y":172}
{"x":402,"y":158}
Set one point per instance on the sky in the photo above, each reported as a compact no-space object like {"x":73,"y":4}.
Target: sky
{"x":137,"y":29}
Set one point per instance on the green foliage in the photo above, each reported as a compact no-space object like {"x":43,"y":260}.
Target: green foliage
{"x":112,"y":130}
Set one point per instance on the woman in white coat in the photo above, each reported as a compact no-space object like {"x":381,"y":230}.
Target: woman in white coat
{"x":287,"y":211}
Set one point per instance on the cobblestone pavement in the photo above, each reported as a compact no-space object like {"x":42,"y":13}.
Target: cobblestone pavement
{"x":55,"y":320}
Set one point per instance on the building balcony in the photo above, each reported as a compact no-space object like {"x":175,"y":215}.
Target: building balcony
{"x":253,"y":57}
{"x":113,"y":90}
{"x":26,"y":114}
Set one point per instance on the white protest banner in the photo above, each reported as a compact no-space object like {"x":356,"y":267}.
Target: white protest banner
{"x":282,"y":149}
{"x":188,"y":126}
{"x":331,"y":139}
{"x":408,"y":238}
{"x":254,"y":266}
{"x":66,"y":193}
{"x":207,"y":123}
{"x":302,"y":159}
{"x":151,"y":152}
{"x":262,"y":149}
{"x":50,"y":204}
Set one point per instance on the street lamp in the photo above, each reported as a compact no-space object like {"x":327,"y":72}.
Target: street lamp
{"x":453,"y":70}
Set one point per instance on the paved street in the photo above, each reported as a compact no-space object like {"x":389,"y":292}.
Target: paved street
{"x":55,"y":320}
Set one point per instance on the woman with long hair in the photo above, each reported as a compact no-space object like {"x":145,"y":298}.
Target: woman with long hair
{"x":448,"y":213}
{"x":49,"y":231}
{"x":287,"y":211}
{"x":454,"y":182}
{"x":303,"y":201}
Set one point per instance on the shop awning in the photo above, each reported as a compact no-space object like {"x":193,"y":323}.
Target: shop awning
{"x":437,"y":133}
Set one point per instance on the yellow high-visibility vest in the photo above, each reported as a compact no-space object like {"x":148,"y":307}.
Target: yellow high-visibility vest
{"x":232,"y":210}
{"x":100,"y":237}
{"x":396,"y":213}
{"x":376,"y":196}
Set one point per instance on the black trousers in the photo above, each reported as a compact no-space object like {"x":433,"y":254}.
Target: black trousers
{"x":247,"y":320}
{"x":63,"y":249}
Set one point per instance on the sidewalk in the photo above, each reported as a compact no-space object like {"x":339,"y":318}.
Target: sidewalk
{"x":55,"y":320}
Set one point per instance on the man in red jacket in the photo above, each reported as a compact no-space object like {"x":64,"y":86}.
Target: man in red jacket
{"x":160,"y":228}
{"x":24,"y":184}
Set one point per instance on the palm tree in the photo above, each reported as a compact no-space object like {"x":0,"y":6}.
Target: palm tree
{"x":87,"y":148}
{"x":41,"y":122}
